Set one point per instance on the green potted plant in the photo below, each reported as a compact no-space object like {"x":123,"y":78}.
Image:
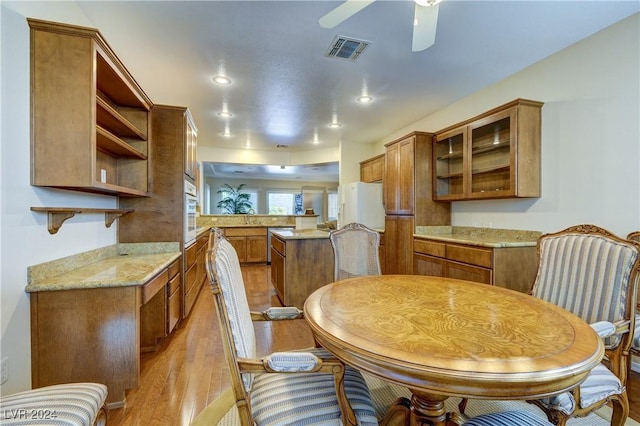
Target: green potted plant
{"x":234,"y":201}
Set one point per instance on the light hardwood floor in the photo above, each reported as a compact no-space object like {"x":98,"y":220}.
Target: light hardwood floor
{"x":189,"y":370}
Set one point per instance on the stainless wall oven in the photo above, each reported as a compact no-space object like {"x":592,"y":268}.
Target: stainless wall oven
{"x":190,"y":201}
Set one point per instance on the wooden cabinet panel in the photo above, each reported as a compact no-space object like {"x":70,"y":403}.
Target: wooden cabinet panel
{"x":472,"y":255}
{"x":398,"y":185}
{"x":301,"y":268}
{"x":508,"y":267}
{"x":463,"y":271}
{"x":494,"y":155}
{"x":372,"y":170}
{"x":398,"y":232}
{"x":428,"y":265}
{"x":174,"y":304}
{"x":99,"y":142}
{"x":250,"y":243}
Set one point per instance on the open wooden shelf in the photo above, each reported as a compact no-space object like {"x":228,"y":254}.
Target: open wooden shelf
{"x":57,"y":215}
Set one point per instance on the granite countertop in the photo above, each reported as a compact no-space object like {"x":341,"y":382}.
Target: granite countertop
{"x":119,"y":265}
{"x":484,"y":237}
{"x":300,"y":234}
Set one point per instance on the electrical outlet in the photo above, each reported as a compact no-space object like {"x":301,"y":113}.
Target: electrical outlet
{"x":4,"y":370}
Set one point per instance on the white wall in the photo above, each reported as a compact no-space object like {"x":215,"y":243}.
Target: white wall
{"x":590,"y":136}
{"x":24,"y":239}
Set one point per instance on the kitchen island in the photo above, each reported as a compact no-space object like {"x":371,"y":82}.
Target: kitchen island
{"x":91,"y":314}
{"x":301,"y":262}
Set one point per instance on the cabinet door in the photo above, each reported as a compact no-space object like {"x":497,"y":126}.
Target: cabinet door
{"x":428,"y":265}
{"x":448,"y":165}
{"x":406,"y":169}
{"x":190,"y":147}
{"x":277,"y":273}
{"x":390,"y":184}
{"x":240,"y":245}
{"x":256,"y":249}
{"x":491,"y":156}
{"x":174,"y":302}
{"x":398,"y":231}
{"x":462,"y":271}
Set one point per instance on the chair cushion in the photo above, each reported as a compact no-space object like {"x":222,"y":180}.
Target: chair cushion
{"x":67,"y":404}
{"x":600,"y":384}
{"x":508,"y":418}
{"x":594,"y":275}
{"x":308,"y":399}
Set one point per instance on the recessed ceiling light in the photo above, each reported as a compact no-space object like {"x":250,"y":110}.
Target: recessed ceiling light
{"x":226,"y":134}
{"x":225,"y":114}
{"x":222,"y":80}
{"x":364,"y":99}
{"x":335,"y":125}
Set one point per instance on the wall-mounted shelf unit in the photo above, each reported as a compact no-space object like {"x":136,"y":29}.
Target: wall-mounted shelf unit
{"x":57,"y":215}
{"x":90,"y":118}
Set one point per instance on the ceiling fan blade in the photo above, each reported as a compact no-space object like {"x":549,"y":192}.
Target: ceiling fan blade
{"x":424,"y":27}
{"x":342,"y":12}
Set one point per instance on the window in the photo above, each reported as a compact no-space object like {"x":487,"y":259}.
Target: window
{"x":281,"y":202}
{"x":332,"y":205}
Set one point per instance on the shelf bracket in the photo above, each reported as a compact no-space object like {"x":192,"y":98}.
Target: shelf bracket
{"x":57,"y":215}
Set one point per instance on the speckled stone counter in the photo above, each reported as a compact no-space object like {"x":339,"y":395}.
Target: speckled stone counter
{"x":483,"y":237}
{"x":300,"y":234}
{"x":126,"y":264}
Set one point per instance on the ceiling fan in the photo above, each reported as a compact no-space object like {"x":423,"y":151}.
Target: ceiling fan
{"x":425,"y":19}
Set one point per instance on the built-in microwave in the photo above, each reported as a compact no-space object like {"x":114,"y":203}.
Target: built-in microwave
{"x":190,"y":201}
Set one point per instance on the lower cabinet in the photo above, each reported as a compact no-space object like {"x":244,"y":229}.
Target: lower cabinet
{"x":509,"y":267}
{"x":382,"y":254}
{"x":249,"y":243}
{"x":398,"y":243}
{"x":195,"y":271}
{"x":299,"y":267}
{"x":157,"y":315}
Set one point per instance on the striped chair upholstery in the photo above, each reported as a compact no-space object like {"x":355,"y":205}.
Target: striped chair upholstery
{"x":593,"y":274}
{"x":72,"y":404}
{"x":356,"y":250}
{"x":508,"y":418}
{"x":266,"y":397}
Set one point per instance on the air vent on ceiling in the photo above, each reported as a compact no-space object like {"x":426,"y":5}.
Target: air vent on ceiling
{"x":282,"y":146}
{"x":346,"y":48}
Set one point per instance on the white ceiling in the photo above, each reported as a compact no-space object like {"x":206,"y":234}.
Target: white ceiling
{"x":285,"y":90}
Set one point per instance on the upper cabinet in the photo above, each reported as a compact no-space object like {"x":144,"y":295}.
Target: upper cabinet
{"x":191,"y":143}
{"x":399,"y":181}
{"x":372,"y":170}
{"x":494,"y":155}
{"x":90,"y":119}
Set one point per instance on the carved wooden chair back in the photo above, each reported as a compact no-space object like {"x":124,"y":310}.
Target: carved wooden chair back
{"x":356,"y":250}
{"x":593,"y":274}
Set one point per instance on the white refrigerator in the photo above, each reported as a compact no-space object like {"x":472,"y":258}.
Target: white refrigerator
{"x":361,"y":202}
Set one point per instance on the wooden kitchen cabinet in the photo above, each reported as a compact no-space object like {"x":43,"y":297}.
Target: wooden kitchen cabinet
{"x":191,"y":144}
{"x":372,"y":170}
{"x":493,"y":155}
{"x":299,"y":267}
{"x":399,"y":182}
{"x":509,"y":267}
{"x":249,"y":243}
{"x":90,"y":119}
{"x":382,"y":253}
{"x":195,"y":271}
{"x":398,"y":237}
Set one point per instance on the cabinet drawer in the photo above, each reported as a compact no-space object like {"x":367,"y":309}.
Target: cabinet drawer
{"x":191,"y":255}
{"x":461,"y":271}
{"x":174,"y":285}
{"x":174,"y":269}
{"x":278,"y":245}
{"x":244,"y":232}
{"x":429,"y":247}
{"x":471,"y":255}
{"x":153,"y":286}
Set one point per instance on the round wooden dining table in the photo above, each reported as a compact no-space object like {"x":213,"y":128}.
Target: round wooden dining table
{"x":443,"y":337}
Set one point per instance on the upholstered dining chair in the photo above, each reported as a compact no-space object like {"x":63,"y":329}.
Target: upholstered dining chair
{"x":282,"y":388}
{"x":635,"y":345}
{"x":356,"y":251}
{"x":69,"y":404}
{"x":593,"y":274}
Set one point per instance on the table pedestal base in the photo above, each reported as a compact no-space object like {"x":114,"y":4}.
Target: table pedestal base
{"x":423,"y":409}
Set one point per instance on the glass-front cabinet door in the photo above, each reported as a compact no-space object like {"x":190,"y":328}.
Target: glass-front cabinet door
{"x":491,"y":156}
{"x":450,"y":164}
{"x":494,"y":155}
